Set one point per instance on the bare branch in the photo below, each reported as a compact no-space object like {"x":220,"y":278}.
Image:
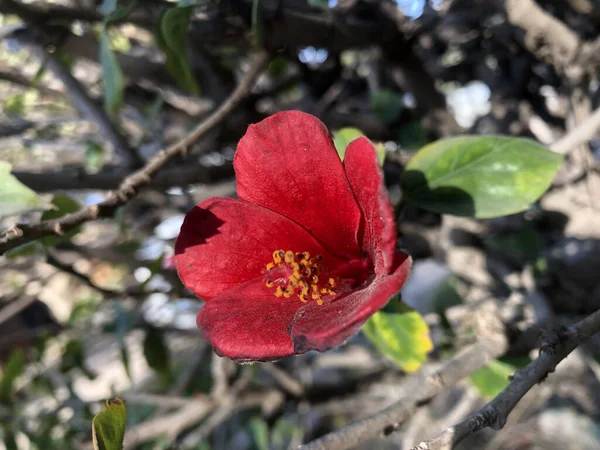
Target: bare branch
{"x":23,"y":233}
{"x":416,"y":390}
{"x":80,"y":98}
{"x":110,"y":177}
{"x":495,"y":413}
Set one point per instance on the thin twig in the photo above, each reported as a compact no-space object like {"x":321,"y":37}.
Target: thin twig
{"x":67,"y":268}
{"x":581,"y":134}
{"x":80,"y":98}
{"x":417,"y":389}
{"x":495,"y":413}
{"x":23,"y":233}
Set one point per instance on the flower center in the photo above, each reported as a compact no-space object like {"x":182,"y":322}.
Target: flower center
{"x":298,"y":274}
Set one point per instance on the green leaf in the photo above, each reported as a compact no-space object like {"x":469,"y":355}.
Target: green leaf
{"x":114,"y":82}
{"x":257,"y":28}
{"x":10,"y":372}
{"x":28,"y":249}
{"x":493,"y":378}
{"x":343,"y":137}
{"x":94,"y":157}
{"x":172,"y":40}
{"x":260,"y":433}
{"x":15,"y":197}
{"x":479,"y":176}
{"x":386,"y":105}
{"x":400,"y":333}
{"x":521,"y":247}
{"x":108,"y":427}
{"x":15,"y":105}
{"x":156,"y":351}
{"x":63,"y":205}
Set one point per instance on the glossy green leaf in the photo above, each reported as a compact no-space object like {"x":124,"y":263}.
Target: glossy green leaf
{"x":386,"y":105}
{"x":10,"y":371}
{"x":156,"y":351}
{"x":400,"y":333}
{"x":114,"y":82}
{"x":15,"y":197}
{"x":172,"y":40}
{"x":343,"y":137}
{"x":493,"y":378}
{"x":260,"y":433}
{"x":63,"y":204}
{"x":479,"y":176}
{"x":108,"y":427}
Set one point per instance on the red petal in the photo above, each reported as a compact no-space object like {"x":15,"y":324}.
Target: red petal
{"x":249,"y":323}
{"x":288,"y":163}
{"x":225,"y":242}
{"x":331,"y":324}
{"x":378,"y":228}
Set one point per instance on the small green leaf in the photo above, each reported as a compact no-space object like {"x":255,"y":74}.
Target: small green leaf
{"x":172,"y":40}
{"x":94,"y":157}
{"x":493,"y":378}
{"x":10,"y":372}
{"x":156,"y":351}
{"x":401,"y":334}
{"x":108,"y":427}
{"x":114,"y":82}
{"x":28,"y":249}
{"x":479,"y":176}
{"x":15,"y":105}
{"x":386,"y":105}
{"x":343,"y":137}
{"x":15,"y":197}
{"x":63,"y":205}
{"x":260,"y":433}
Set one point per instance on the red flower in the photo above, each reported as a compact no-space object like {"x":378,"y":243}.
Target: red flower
{"x":305,"y":256}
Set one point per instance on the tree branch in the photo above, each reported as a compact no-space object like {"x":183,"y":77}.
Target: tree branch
{"x":419,"y":388}
{"x":80,"y":99}
{"x":110,"y":177}
{"x":580,"y":135}
{"x":23,"y":233}
{"x":495,"y":413}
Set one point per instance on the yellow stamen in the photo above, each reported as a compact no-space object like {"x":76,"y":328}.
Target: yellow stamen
{"x":278,"y":291}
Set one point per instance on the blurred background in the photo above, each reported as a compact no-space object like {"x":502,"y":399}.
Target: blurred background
{"x":90,"y":90}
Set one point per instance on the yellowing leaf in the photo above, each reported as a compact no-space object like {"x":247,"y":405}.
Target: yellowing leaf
{"x":400,"y":333}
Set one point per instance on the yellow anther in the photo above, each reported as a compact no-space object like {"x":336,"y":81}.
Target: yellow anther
{"x":314,"y":279}
{"x":278,"y":291}
{"x":302,"y":298}
{"x":289,"y":256}
{"x":315,"y":296}
{"x":314,"y":288}
{"x":269,"y":283}
{"x":306,"y":255}
{"x":270,"y":266}
{"x":330,"y":291}
{"x":287,"y":293}
{"x":331,"y":282}
{"x":319,"y":302}
{"x":295,"y":266}
{"x":277,"y":256}
{"x":299,"y":255}
{"x":323,"y":290}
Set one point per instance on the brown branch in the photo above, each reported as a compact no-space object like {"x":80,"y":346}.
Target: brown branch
{"x":419,"y":388}
{"x":495,"y":413}
{"x":23,"y":233}
{"x":80,"y":98}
